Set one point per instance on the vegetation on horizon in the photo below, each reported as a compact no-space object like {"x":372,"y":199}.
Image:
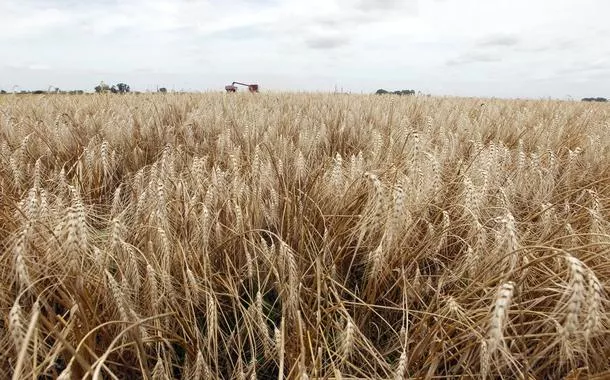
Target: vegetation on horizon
{"x":381,"y":91}
{"x":303,"y":236}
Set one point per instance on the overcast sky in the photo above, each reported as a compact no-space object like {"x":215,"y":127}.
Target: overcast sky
{"x":504,"y":48}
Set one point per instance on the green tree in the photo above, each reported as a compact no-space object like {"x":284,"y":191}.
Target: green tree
{"x":102,"y":88}
{"x":122,"y":88}
{"x":381,"y":91}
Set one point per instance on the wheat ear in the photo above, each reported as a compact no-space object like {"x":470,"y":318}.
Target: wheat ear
{"x":577,"y":294}
{"x":496,"y":329}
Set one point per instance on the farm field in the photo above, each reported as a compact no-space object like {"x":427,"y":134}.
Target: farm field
{"x":240,"y":236}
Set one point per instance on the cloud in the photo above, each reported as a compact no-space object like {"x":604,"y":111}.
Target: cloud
{"x":327,"y":42}
{"x":239,"y":33}
{"x":28,"y":21}
{"x":313,"y":44}
{"x":38,"y":66}
{"x":500,"y":40}
{"x":330,"y":24}
{"x":25,"y":65}
{"x":383,"y":5}
{"x":554,"y":44}
{"x":598,"y":66}
{"x":473,"y":57}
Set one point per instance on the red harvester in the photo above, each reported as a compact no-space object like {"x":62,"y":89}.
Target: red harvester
{"x":233,"y":88}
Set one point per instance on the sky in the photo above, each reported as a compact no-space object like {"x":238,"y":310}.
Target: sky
{"x":493,"y":48}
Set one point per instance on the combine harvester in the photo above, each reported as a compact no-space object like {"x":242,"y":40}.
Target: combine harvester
{"x":233,"y":88}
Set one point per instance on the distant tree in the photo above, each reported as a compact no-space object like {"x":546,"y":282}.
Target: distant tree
{"x":114,"y":90}
{"x":594,"y":99}
{"x":102,"y":88}
{"x":381,"y":91}
{"x":163,"y":90}
{"x":122,"y":88}
{"x":38,"y":92}
{"x":2,"y":92}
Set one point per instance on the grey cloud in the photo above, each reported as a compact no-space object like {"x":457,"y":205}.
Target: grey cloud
{"x":555,"y":45}
{"x":473,"y":57}
{"x":19,"y":65}
{"x":361,"y":12}
{"x":69,"y":4}
{"x":336,"y":29}
{"x":499,"y":40}
{"x":240,"y":32}
{"x":327,"y":42}
{"x":38,"y":66}
{"x":368,"y":5}
{"x":595,"y":67}
{"x":344,"y":20}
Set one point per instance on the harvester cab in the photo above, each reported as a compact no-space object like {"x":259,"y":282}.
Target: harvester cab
{"x":233,"y":88}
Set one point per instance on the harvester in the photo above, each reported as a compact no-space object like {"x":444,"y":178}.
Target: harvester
{"x":233,"y":88}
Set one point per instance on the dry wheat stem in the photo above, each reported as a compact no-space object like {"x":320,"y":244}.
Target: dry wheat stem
{"x":339,"y":219}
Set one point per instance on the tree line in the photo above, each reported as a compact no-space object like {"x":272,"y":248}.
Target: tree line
{"x":54,"y":91}
{"x":123,"y":88}
{"x":381,"y":91}
{"x":102,"y":88}
{"x":119,"y":88}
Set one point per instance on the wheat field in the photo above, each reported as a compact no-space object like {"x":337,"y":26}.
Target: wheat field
{"x":301,"y":236}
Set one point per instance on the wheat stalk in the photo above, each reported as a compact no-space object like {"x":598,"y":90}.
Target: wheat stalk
{"x":17,"y":325}
{"x":116,"y":202}
{"x":336,"y":175}
{"x":23,"y":277}
{"x":379,"y":198}
{"x":119,"y":298}
{"x":577,"y":294}
{"x":401,"y":367}
{"x":279,"y":347}
{"x":495,"y":335}
{"x":485,"y":359}
{"x":261,"y":322}
{"x":595,"y":306}
{"x":201,"y":370}
{"x":347,"y":339}
{"x":400,"y":215}
{"x":158,"y":372}
{"x":150,"y":205}
{"x":377,"y":261}
{"x":512,"y":245}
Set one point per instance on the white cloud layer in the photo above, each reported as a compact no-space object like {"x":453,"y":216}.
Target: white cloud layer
{"x":512,"y":48}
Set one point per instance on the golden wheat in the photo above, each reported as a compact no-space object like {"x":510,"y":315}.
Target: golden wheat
{"x":213,"y":236}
